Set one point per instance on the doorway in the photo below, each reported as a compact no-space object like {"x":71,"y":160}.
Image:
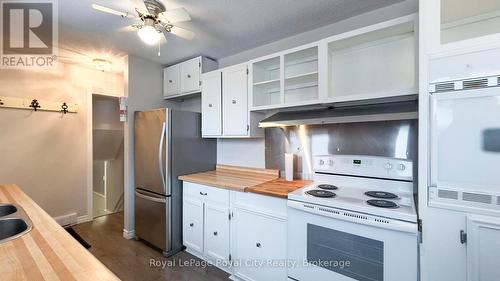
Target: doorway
{"x":108,"y":156}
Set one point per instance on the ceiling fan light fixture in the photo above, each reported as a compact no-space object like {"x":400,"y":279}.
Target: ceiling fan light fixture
{"x":149,"y":35}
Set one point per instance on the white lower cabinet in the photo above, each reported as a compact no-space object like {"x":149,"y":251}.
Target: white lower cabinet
{"x":241,"y":233}
{"x":193,"y":224}
{"x":259,"y":246}
{"x":460,"y":247}
{"x":258,"y":232}
{"x":206,"y":222}
{"x":216,"y":232}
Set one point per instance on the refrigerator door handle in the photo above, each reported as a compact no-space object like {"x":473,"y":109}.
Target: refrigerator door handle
{"x":150,"y":198}
{"x":160,"y":155}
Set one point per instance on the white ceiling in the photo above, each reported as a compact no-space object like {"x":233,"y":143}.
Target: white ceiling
{"x":222,"y":27}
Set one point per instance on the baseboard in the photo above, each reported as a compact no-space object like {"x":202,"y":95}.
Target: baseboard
{"x":66,"y":220}
{"x":128,"y":234}
{"x":82,"y":219}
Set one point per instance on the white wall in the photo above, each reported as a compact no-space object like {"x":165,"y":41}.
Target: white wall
{"x":251,"y":152}
{"x":45,"y":153}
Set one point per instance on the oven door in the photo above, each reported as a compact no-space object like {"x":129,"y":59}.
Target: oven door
{"x":465,"y":140}
{"x":321,"y":247}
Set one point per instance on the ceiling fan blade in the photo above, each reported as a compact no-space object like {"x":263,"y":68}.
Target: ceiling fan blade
{"x":111,"y":11}
{"x":183,"y":33}
{"x":175,"y":15}
{"x":128,"y":28}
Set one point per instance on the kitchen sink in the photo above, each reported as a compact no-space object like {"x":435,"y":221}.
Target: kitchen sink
{"x":7,"y":209}
{"x":12,"y":228}
{"x":14,"y":222}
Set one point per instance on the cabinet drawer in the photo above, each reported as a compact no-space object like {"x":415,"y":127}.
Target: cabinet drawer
{"x":259,"y":203}
{"x":206,"y":193}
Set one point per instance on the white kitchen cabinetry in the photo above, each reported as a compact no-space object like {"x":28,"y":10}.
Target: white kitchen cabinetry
{"x":483,"y":248}
{"x":193,"y":224}
{"x":286,"y":79}
{"x":258,"y":237}
{"x":460,"y":246}
{"x":206,"y":221}
{"x":211,"y":104}
{"x":225,"y":105}
{"x":378,"y":61}
{"x":373,"y":62}
{"x":185,"y":78}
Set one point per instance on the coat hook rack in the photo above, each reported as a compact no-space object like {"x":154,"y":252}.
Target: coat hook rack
{"x":64,"y":108}
{"x":37,"y":105}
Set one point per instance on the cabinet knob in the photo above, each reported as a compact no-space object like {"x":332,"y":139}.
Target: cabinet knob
{"x":233,"y":101}
{"x":189,"y":75}
{"x":210,"y":105}
{"x":170,"y":81}
{"x":258,"y":245}
{"x":215,"y":233}
{"x":191,"y":224}
{"x":203,"y":193}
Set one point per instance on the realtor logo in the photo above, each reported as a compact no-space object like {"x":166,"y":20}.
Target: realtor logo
{"x":28,"y":34}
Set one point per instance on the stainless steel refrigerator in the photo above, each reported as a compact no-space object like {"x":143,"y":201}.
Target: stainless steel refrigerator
{"x":168,"y":144}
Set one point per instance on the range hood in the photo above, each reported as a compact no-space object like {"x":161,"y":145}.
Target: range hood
{"x":344,"y":114}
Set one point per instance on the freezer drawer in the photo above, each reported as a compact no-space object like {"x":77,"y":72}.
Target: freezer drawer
{"x":152,"y":219}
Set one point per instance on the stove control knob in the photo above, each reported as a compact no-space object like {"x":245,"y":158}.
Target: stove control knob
{"x":321,"y":162}
{"x":330,"y":162}
{"x":402,"y":167}
{"x":388,"y":166}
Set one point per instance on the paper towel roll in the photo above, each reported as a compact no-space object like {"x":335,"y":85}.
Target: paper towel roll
{"x":289,"y":166}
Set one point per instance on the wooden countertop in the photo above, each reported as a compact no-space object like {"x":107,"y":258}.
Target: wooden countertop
{"x":278,"y":187}
{"x":261,"y":181}
{"x":232,"y":177}
{"x":47,"y":252}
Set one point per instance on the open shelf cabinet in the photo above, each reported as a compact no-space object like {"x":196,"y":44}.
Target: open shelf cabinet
{"x":378,"y":62}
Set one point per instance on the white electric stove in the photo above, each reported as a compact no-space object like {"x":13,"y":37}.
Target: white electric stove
{"x":359,"y":210}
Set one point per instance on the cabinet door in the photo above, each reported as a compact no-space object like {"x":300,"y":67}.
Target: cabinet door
{"x":190,"y":75}
{"x":211,"y":104}
{"x":216,"y":231}
{"x":483,"y":248}
{"x":443,"y":256}
{"x":258,"y":239}
{"x":171,"y":81}
{"x":193,"y":224}
{"x":235,"y":98}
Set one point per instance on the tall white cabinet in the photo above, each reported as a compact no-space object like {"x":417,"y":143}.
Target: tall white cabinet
{"x":224,"y":104}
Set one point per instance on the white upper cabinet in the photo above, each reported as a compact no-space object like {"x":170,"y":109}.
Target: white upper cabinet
{"x":374,"y":62}
{"x":225,"y":101}
{"x":185,"y":78}
{"x":301,"y":76}
{"x":377,"y":61}
{"x":171,"y":80}
{"x":266,"y":82}
{"x":190,"y":72}
{"x":235,"y":89}
{"x":463,"y":20}
{"x":211,"y":102}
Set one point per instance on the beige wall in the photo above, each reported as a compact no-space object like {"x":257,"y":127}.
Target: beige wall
{"x":45,"y":152}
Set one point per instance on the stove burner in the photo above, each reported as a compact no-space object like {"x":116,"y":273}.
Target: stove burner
{"x":382,"y":203}
{"x":381,"y":194}
{"x":321,"y":193}
{"x":327,"y":186}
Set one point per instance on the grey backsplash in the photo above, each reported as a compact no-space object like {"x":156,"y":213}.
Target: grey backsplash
{"x":389,"y":138}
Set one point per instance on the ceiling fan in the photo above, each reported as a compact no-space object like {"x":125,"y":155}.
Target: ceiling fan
{"x":155,"y":20}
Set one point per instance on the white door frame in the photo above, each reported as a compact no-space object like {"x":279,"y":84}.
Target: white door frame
{"x":90,"y":150}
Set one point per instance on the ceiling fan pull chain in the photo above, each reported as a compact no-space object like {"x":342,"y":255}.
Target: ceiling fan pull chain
{"x":159,"y":48}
